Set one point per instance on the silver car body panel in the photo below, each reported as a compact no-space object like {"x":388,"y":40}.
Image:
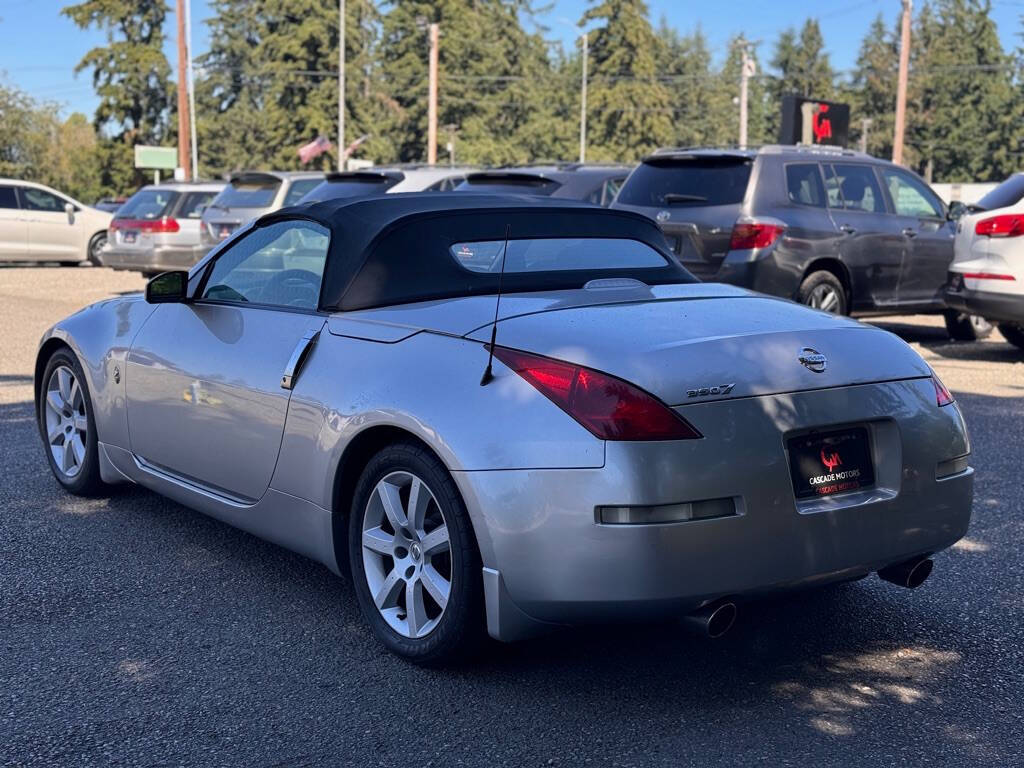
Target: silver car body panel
{"x":195,"y":412}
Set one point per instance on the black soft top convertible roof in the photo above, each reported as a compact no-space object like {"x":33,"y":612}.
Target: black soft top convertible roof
{"x":394,"y":249}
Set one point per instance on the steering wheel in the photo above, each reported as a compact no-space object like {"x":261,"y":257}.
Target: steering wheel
{"x":292,"y":288}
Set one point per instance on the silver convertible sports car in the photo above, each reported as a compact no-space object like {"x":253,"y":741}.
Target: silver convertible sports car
{"x":511,"y":414}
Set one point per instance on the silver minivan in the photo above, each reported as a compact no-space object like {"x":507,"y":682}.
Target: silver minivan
{"x":157,"y":229}
{"x":251,"y":194}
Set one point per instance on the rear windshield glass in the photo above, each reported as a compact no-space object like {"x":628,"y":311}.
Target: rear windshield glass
{"x":299,"y":189}
{"x":148,"y":204}
{"x":248,"y":194}
{"x":193,"y":204}
{"x":526,"y":185}
{"x":557,"y":254}
{"x":334,"y":190}
{"x":691,"y":182}
{"x":1006,"y":194}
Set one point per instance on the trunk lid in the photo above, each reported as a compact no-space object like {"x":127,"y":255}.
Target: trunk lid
{"x":687,"y":350}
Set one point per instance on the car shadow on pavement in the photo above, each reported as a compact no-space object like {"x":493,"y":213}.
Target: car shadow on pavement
{"x":935,"y":338}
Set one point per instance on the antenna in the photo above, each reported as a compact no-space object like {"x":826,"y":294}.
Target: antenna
{"x":488,"y":374}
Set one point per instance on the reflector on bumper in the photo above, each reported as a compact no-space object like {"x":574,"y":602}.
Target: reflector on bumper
{"x":666,"y":513}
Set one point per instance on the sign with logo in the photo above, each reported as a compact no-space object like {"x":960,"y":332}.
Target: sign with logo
{"x":812,"y":121}
{"x":825,"y":464}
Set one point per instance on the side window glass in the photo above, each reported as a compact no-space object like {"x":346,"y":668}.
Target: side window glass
{"x":832,"y":194}
{"x":7,"y":198}
{"x":859,"y":188}
{"x":611,"y":189}
{"x":803,"y":183}
{"x":909,"y":196}
{"x":194,"y":203}
{"x":40,"y":200}
{"x":280,"y":265}
{"x":298,"y":190}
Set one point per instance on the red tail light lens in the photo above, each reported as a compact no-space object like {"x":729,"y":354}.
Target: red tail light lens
{"x":610,"y":408}
{"x":754,"y":234}
{"x":162,"y":225}
{"x":942,"y":395}
{"x":1007,"y":225}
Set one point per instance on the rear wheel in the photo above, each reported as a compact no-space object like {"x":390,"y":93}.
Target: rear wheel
{"x":67,"y":426}
{"x":97,"y":244}
{"x":415,"y":567}
{"x":1013,"y":333}
{"x":822,"y":290}
{"x":964,"y":327}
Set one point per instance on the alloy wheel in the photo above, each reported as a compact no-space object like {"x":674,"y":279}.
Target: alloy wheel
{"x":407,"y":557}
{"x":67,"y":425}
{"x":825,"y":298}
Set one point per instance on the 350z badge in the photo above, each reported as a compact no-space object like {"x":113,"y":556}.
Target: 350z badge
{"x":721,"y":389}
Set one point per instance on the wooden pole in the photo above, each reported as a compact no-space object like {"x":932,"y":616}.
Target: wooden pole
{"x":341,"y":85}
{"x":901,"y":85}
{"x":432,"y":98}
{"x":183,"y":121}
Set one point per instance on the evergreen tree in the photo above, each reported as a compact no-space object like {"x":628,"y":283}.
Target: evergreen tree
{"x":803,"y":69}
{"x":684,"y":66}
{"x":630,"y":111}
{"x":872,"y":88}
{"x":130,"y":75}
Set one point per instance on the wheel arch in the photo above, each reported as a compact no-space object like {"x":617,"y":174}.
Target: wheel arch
{"x":46,"y":351}
{"x":838,"y":269}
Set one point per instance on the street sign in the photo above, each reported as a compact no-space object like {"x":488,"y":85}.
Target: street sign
{"x":812,"y":121}
{"x":159,"y":158}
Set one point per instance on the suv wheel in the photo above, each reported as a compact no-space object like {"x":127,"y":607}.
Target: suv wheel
{"x":822,"y":290}
{"x":1013,"y":333}
{"x":964,"y":327}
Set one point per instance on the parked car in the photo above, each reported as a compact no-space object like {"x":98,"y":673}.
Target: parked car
{"x":109,"y":204}
{"x":597,"y":184}
{"x":251,"y":194}
{"x":987,"y":274}
{"x":833,"y":229}
{"x":611,"y":440}
{"x":157,"y":229}
{"x":38,"y":223}
{"x":376,"y":181}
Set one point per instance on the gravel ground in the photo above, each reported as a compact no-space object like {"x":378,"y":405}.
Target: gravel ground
{"x":136,"y":632}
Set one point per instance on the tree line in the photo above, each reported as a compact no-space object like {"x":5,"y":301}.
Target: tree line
{"x":507,"y":94}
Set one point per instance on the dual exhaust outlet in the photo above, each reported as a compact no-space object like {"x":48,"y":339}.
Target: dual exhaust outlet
{"x":716,"y":618}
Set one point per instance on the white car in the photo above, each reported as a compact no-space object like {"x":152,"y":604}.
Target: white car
{"x":38,"y":223}
{"x":987,"y":274}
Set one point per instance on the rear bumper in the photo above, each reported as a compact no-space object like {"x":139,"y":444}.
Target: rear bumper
{"x":1003,"y":307}
{"x":548,"y":561}
{"x":161,"y":258}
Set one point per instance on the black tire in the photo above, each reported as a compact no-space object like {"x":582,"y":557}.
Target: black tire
{"x":964,"y":327}
{"x":69,"y":263}
{"x":460,"y":628}
{"x":823,"y":290}
{"x":95,"y":246}
{"x":86,"y":481}
{"x":1013,"y":333}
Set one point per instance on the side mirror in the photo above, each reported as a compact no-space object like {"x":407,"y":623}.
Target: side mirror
{"x":956,"y":210}
{"x":69,"y":209}
{"x":168,"y":288}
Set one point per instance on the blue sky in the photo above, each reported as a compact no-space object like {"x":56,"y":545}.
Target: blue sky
{"x":39,"y":48}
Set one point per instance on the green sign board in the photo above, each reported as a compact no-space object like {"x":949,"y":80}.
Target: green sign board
{"x":161,"y":158}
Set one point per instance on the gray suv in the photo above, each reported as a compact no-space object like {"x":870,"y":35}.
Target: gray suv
{"x":831,"y":228}
{"x":252,"y":194}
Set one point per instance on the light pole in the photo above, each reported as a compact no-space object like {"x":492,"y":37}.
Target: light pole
{"x":748,"y":68}
{"x":583,"y":99}
{"x":341,"y":85}
{"x":191,"y":91}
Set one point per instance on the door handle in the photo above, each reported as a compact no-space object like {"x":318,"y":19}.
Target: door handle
{"x":847,"y":229}
{"x":299,"y":355}
{"x":910,"y":232}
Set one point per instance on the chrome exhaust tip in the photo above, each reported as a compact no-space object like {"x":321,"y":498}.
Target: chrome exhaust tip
{"x":713,"y":620}
{"x":910,"y":574}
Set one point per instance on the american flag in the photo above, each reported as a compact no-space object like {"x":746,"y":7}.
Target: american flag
{"x":315,"y":148}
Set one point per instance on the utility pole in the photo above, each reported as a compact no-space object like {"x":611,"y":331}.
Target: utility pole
{"x":747,"y":70}
{"x":341,"y":85}
{"x":901,"y":85}
{"x":583,"y":99}
{"x":434,"y":32}
{"x":183,"y":121}
{"x":865,"y":125}
{"x":191,"y":90}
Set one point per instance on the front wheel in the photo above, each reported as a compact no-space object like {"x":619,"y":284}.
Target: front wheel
{"x":1013,"y":333}
{"x":415,"y":566}
{"x":96,"y":246}
{"x":67,"y":426}
{"x":964,"y":327}
{"x":822,"y":290}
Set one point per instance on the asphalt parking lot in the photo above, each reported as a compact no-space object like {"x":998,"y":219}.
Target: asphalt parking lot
{"x":136,"y":632}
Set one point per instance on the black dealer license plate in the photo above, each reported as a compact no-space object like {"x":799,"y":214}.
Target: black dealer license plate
{"x":826,"y":463}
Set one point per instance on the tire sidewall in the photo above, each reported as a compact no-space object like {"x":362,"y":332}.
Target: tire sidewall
{"x":87,"y":481}
{"x":817,"y":278}
{"x":93,"y":255}
{"x":462,"y":621}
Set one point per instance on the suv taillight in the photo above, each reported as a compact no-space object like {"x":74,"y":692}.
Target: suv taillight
{"x":610,"y":408}
{"x":754,"y":233}
{"x":1006,"y":225}
{"x":162,"y":225}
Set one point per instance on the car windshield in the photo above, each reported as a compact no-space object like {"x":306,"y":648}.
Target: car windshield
{"x":698,"y":181}
{"x":556,"y":254}
{"x":1006,"y":194}
{"x":148,"y":204}
{"x":247,"y":193}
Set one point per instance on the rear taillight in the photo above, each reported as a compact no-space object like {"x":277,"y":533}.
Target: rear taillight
{"x":751,"y":233}
{"x":1006,"y":225}
{"x":942,"y":395}
{"x":988,"y":276}
{"x":162,"y":225}
{"x":610,"y":408}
